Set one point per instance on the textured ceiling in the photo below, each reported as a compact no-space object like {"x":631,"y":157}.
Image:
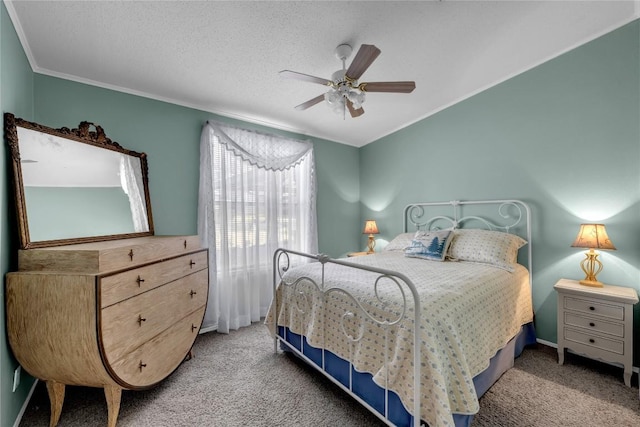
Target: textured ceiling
{"x":224,"y":57}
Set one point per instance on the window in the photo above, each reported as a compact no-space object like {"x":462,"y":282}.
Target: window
{"x":257,"y":193}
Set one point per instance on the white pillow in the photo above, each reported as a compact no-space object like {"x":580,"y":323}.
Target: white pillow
{"x":486,"y":246}
{"x":400,"y":242}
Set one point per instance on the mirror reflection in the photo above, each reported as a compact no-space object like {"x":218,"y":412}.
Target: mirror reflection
{"x":75,"y":191}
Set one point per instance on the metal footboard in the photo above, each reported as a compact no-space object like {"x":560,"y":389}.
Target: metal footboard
{"x":282,"y":263}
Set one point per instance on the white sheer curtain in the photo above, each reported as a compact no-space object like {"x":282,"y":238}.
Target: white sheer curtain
{"x":257,"y":193}
{"x":131,"y":182}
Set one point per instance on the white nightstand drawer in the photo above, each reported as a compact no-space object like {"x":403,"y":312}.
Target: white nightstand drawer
{"x":611,"y":311}
{"x":594,"y":324}
{"x":611,"y":345}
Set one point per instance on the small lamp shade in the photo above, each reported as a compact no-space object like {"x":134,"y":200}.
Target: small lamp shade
{"x":370,"y":228}
{"x":592,"y":236}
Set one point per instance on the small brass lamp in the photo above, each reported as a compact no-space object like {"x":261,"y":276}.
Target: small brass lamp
{"x":592,"y":236}
{"x":370,"y":228}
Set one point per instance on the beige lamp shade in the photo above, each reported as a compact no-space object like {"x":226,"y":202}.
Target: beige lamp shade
{"x":370,"y":227}
{"x":592,"y":236}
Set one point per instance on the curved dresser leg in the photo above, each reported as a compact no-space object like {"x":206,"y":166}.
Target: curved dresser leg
{"x":113,"y":395}
{"x":56,"y":397}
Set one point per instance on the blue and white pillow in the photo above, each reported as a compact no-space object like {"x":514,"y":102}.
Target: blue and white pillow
{"x":431,"y":245}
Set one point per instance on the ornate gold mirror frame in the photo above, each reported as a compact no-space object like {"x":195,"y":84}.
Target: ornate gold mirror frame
{"x":76,"y":185}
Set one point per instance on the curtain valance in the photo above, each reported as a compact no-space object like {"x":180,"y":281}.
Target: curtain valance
{"x":271,"y":152}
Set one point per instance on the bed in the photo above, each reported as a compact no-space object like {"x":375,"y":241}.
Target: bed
{"x":461,"y":270}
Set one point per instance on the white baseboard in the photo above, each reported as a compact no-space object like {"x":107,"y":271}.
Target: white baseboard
{"x":547,"y":343}
{"x":25,"y":404}
{"x":208,"y":329}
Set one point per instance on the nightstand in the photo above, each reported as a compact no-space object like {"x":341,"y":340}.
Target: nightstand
{"x":596,"y":322}
{"x":352,"y":254}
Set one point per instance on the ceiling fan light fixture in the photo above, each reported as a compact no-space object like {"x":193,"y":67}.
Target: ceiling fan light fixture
{"x":335,"y":101}
{"x":357,"y":98}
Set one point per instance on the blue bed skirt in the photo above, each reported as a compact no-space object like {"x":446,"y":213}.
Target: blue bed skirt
{"x":365,"y":388}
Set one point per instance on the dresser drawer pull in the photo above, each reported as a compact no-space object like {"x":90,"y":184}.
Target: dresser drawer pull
{"x":142,"y":365}
{"x":141,"y":319}
{"x":192,"y":293}
{"x":592,"y":308}
{"x":139,"y":280}
{"x":193,"y":327}
{"x":192,"y":263}
{"x":131,"y":254}
{"x":185,"y":243}
{"x":592,"y":324}
{"x":592,"y":341}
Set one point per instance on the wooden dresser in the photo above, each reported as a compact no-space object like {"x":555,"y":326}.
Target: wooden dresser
{"x":119,"y":314}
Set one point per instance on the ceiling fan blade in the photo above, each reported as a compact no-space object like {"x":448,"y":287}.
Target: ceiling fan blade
{"x":363,"y":59}
{"x":396,"y":87}
{"x":288,"y":74}
{"x":310,"y":103}
{"x":354,"y":112}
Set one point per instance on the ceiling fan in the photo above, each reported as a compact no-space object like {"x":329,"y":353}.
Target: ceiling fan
{"x":346,"y":92}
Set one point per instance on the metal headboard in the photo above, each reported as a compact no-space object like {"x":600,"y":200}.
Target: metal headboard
{"x":509,"y":216}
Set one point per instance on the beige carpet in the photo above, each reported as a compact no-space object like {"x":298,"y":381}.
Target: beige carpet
{"x":236,"y":380}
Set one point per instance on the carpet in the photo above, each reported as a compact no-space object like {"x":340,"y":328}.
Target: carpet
{"x":237,"y":380}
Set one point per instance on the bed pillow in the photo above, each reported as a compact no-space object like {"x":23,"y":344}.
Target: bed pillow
{"x":400,"y":242}
{"x":486,"y":246}
{"x":431,"y":245}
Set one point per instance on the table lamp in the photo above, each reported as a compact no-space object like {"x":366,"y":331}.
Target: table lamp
{"x":592,"y":236}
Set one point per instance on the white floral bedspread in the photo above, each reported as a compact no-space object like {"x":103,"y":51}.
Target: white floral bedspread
{"x":469,"y":312}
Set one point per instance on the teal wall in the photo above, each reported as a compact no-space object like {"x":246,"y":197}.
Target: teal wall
{"x":16,"y":95}
{"x":564,"y":137}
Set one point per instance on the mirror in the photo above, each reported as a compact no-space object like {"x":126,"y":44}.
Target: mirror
{"x":76,"y":186}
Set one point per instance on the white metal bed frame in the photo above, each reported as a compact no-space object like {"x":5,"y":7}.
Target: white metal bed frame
{"x":414,"y":215}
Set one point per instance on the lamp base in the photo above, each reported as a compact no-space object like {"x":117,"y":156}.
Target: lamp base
{"x":592,"y":283}
{"x":591,"y":266}
{"x":371,"y":245}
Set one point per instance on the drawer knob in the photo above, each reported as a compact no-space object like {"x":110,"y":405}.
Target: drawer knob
{"x":131,"y":254}
{"x":139,"y":280}
{"x":592,"y":324}
{"x":193,"y":327}
{"x":592,"y":308}
{"x":192,"y":293}
{"x":192,"y":263}
{"x":142,"y":365}
{"x":141,"y":319}
{"x":591,"y":340}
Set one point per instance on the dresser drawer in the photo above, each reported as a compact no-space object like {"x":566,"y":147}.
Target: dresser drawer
{"x":129,"y":324}
{"x":140,"y":252}
{"x":160,"y":356}
{"x":596,"y":341}
{"x":611,"y":311}
{"x":132,"y":282}
{"x":594,"y":324}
